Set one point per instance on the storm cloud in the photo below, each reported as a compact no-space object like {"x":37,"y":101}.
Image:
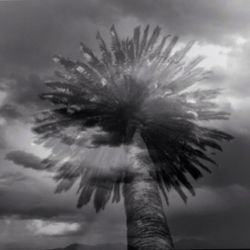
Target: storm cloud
{"x":25,"y":159}
{"x":58,"y":26}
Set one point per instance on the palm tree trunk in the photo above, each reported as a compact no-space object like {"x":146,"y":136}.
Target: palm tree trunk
{"x":147,"y":227}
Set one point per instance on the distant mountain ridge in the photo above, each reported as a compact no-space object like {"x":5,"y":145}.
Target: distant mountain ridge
{"x":98,"y":247}
{"x":181,"y":244}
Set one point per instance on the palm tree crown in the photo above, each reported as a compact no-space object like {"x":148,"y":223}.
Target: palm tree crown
{"x":141,"y":85}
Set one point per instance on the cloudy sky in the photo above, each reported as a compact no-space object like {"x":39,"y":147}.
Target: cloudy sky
{"x":31,"y":32}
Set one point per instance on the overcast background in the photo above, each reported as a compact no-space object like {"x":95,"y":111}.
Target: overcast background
{"x":31,"y":32}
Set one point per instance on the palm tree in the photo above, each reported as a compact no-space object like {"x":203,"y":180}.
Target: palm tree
{"x":128,"y":121}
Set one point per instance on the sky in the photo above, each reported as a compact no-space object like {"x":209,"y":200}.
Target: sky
{"x":32,"y":216}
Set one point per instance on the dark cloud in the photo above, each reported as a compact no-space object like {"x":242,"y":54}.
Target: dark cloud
{"x":3,"y":142}
{"x":204,"y":20}
{"x":22,"y":97}
{"x":31,"y":32}
{"x":233,"y":165}
{"x":29,"y":202}
{"x":9,"y":111}
{"x":27,"y":160}
{"x":223,"y":224}
{"x":24,"y":91}
{"x":26,"y":202}
{"x":8,"y":178}
{"x":224,"y":229}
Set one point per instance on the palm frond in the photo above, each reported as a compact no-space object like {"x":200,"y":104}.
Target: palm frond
{"x":139,"y":85}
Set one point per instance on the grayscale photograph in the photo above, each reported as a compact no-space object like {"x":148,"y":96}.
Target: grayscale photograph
{"x":124,"y":124}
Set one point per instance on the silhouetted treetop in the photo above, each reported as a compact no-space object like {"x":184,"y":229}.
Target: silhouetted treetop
{"x":139,"y":85}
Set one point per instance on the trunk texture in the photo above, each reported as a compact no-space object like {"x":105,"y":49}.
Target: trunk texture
{"x":147,"y":227}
